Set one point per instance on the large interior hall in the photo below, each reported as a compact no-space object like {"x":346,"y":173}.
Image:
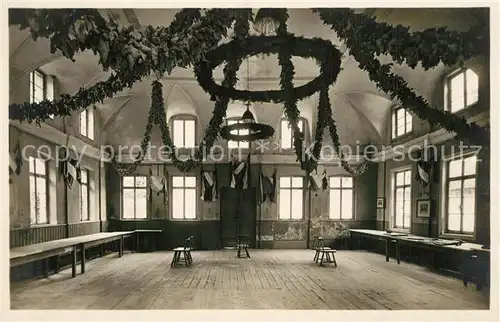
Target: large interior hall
{"x":267,"y":159}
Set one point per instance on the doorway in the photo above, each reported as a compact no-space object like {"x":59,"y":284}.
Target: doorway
{"x":234,"y":223}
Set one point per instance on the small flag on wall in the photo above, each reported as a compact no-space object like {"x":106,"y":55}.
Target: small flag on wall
{"x":324,"y":181}
{"x":268,"y":187}
{"x":240,"y":174}
{"x":16,"y":162}
{"x":425,"y":166}
{"x":157,"y":184}
{"x":70,"y":167}
{"x":318,"y":182}
{"x":209,"y":186}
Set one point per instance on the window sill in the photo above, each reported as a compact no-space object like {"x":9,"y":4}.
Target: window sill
{"x":400,"y":230}
{"x":85,"y":139}
{"x":42,"y":225}
{"x":287,"y":219}
{"x":133,"y":219}
{"x":457,"y":236}
{"x":464,"y":112}
{"x":401,"y":138}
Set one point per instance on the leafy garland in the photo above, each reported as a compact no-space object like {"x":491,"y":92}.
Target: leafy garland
{"x":134,"y":53}
{"x":430,"y":47}
{"x":157,"y":115}
{"x":324,"y":118}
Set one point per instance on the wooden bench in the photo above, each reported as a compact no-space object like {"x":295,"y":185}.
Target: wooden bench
{"x":182,"y":254}
{"x":73,"y":245}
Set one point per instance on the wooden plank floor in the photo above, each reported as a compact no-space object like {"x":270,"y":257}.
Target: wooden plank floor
{"x":271,"y":279}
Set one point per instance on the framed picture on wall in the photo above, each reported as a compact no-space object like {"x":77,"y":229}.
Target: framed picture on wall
{"x":423,"y":208}
{"x":380,"y":203}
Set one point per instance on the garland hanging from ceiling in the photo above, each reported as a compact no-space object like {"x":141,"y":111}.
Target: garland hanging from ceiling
{"x":133,"y":53}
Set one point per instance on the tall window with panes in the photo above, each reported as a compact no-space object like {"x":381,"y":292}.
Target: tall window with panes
{"x":87,"y":123}
{"x":38,"y":191}
{"x":402,"y":199}
{"x":184,"y":197}
{"x":84,"y":196}
{"x":401,"y":122}
{"x":41,"y":87}
{"x":461,"y":195}
{"x":134,"y":190}
{"x":461,"y":90}
{"x":291,"y":198}
{"x":237,"y":144}
{"x":184,"y":132}
{"x":286,"y":136}
{"x":341,"y":198}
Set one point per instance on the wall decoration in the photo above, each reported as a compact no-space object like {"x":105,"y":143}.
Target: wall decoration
{"x":424,"y":208}
{"x":381,"y":203}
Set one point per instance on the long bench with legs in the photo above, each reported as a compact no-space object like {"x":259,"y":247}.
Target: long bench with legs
{"x":74,"y":245}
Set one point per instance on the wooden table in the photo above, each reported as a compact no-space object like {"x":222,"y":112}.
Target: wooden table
{"x":43,"y":251}
{"x":468,"y":251}
{"x":141,"y":235}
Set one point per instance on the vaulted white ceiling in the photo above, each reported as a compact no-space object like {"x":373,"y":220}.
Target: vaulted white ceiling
{"x":360,"y":110}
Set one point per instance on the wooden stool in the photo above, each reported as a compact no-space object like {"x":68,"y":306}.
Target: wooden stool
{"x":185,"y":258}
{"x":327,"y":252}
{"x":241,"y":246}
{"x":185,"y":251}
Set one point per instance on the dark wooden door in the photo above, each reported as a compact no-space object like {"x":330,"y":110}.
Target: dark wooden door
{"x":234,"y":223}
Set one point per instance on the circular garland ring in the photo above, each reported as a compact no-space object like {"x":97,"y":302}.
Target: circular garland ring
{"x":327,"y":55}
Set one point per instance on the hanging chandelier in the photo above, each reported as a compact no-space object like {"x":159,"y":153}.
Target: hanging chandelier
{"x":256,"y":131}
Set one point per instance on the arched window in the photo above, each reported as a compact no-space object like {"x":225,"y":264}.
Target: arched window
{"x":461,"y":90}
{"x":286,"y":132}
{"x":184,"y":131}
{"x":236,"y":144}
{"x":401,"y":122}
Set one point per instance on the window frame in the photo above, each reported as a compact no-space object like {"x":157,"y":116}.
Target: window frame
{"x":341,"y":189}
{"x":448,"y":90}
{"x":291,"y":189}
{"x":237,"y":120}
{"x":183,"y":118}
{"x":44,"y":88}
{"x":184,"y":188}
{"x":446,"y":198}
{"x":134,"y":188}
{"x":284,"y":124}
{"x":394,"y":122}
{"x":45,"y":176}
{"x":87,"y":187}
{"x":394,"y":196}
{"x":89,"y":117}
